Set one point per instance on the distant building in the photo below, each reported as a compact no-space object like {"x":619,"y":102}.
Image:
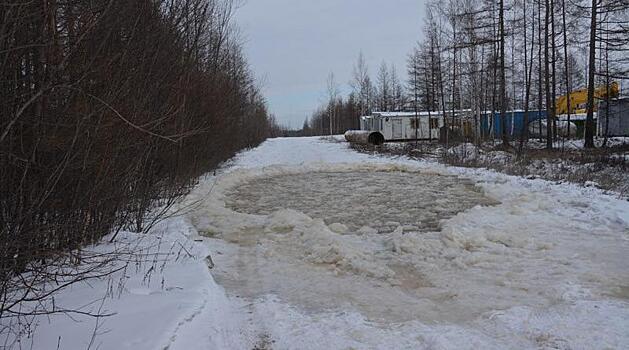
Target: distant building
{"x":403,"y":126}
{"x":465,"y":124}
{"x":614,"y":121}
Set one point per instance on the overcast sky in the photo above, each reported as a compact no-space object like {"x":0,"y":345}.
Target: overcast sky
{"x":293,"y":45}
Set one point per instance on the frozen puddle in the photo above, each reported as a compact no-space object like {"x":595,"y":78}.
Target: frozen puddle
{"x":384,"y":252}
{"x":359,"y":201}
{"x":336,"y":240}
{"x":355,"y":238}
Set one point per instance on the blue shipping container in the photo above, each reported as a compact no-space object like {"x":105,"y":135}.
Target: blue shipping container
{"x":514,"y":121}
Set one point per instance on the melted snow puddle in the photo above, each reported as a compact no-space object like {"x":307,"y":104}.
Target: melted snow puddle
{"x":338,"y":241}
{"x":359,"y":201}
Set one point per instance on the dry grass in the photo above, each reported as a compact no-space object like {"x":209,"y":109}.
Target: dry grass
{"x":606,"y":168}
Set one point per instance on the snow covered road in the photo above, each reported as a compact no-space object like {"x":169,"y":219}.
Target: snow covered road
{"x":533,"y":264}
{"x":437,"y":258}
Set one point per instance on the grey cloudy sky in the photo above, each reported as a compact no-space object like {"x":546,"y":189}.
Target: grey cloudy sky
{"x":293,"y":45}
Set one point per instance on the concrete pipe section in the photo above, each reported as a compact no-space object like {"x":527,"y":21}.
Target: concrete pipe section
{"x":364,"y":137}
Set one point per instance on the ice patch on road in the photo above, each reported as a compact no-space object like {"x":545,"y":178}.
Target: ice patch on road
{"x":336,"y":194}
{"x":382,"y":198}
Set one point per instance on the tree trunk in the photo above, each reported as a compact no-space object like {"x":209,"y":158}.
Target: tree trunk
{"x":549,"y":103}
{"x":567,"y":68}
{"x":553,"y":46}
{"x":528,"y":71}
{"x":589,"y":120}
{"x":503,"y":89}
{"x":453,"y":68}
{"x":539,"y":70}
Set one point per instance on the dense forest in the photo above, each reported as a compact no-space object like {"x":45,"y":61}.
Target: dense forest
{"x":493,"y":56}
{"x":109,"y":112}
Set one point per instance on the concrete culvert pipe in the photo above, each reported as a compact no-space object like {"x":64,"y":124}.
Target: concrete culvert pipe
{"x":364,"y":137}
{"x":376,"y":138}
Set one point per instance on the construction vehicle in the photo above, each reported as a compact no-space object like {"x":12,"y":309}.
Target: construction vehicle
{"x":579,"y":99}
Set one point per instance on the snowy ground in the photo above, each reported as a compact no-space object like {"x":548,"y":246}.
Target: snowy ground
{"x":317,"y":246}
{"x":605,"y":168}
{"x":579,"y":143}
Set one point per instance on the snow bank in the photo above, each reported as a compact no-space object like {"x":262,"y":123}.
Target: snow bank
{"x":163,"y":289}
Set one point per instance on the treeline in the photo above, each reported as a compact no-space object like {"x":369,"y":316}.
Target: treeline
{"x":110,"y":109}
{"x":342,"y":113}
{"x":500,"y":55}
{"x":518,"y":54}
{"x":384,"y":93}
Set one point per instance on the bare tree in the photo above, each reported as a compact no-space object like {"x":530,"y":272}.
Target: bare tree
{"x":503,"y":87}
{"x":397,"y":91}
{"x":109,"y":112}
{"x":528,"y":71}
{"x":589,"y":121}
{"x":332,"y":90}
{"x":384,"y":87}
{"x":415,"y":87}
{"x":566,"y":61}
{"x":361,"y":85}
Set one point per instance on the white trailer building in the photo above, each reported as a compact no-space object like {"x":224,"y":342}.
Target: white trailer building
{"x":402,"y":126}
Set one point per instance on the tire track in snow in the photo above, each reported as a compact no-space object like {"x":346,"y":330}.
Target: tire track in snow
{"x":187,"y":320}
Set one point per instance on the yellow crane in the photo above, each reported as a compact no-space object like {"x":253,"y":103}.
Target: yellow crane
{"x":579,"y":99}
